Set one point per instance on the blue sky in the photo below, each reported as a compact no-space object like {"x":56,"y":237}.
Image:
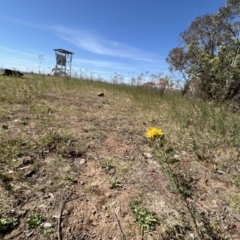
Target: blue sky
{"x":127,"y":37}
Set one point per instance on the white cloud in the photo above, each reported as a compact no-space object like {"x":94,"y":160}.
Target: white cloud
{"x":130,"y":59}
{"x":94,"y":43}
{"x":102,"y":64}
{"x":17,"y":52}
{"x":91,"y":41}
{"x":29,"y":24}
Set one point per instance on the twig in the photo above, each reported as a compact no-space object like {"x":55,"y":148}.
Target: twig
{"x":123,"y":236}
{"x":59,"y":220}
{"x":65,"y":198}
{"x":28,"y":200}
{"x":83,"y":235}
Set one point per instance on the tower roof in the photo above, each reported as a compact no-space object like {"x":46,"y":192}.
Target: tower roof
{"x":63,"y":51}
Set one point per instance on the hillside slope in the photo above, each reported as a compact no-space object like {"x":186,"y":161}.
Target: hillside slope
{"x":74,"y":165}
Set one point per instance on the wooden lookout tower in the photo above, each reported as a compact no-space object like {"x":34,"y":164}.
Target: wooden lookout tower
{"x":63,"y":62}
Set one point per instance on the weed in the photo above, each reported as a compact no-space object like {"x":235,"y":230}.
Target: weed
{"x":167,"y":158}
{"x":47,"y":232}
{"x":152,"y":133}
{"x":179,"y":182}
{"x":107,"y":166}
{"x":144,"y":217}
{"x":175,"y":232}
{"x":7,"y":223}
{"x":115,"y":183}
{"x":34,"y":221}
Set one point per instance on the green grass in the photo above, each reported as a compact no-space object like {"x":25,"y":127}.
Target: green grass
{"x":34,"y":221}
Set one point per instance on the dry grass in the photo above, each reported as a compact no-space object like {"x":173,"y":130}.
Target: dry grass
{"x":56,"y":135}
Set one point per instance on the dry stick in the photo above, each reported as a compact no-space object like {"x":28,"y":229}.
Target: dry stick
{"x":59,"y":220}
{"x":65,"y":199}
{"x":123,"y":236}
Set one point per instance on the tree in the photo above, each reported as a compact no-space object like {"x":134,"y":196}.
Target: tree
{"x":178,"y":60}
{"x":209,"y":55}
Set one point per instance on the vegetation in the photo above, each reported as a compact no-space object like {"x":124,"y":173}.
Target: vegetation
{"x":107,"y":166}
{"x":58,"y":139}
{"x":7,"y":223}
{"x":209,"y":55}
{"x":144,"y":217}
{"x":114,"y":183}
{"x":62,"y":145}
{"x":34,"y":221}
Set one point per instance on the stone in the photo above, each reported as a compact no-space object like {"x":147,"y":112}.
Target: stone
{"x":27,"y":160}
{"x":100,"y":94}
{"x":108,"y":195}
{"x":104,"y":207}
{"x":147,"y":155}
{"x":112,"y":171}
{"x":29,"y":233}
{"x":82,"y":161}
{"x":47,"y":225}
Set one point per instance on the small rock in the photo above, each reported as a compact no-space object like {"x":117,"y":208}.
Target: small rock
{"x":107,"y":215}
{"x":100,"y":94}
{"x":82,"y":161}
{"x":220,"y":172}
{"x":104,"y":207}
{"x":112,"y":171}
{"x":27,"y":160}
{"x":16,"y":120}
{"x":82,"y":183}
{"x":47,"y":225}
{"x":147,"y":155}
{"x":29,"y":234}
{"x":108,"y":195}
{"x":191,"y":235}
{"x":94,"y":212}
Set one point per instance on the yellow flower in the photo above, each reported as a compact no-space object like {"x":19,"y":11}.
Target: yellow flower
{"x":153,"y":133}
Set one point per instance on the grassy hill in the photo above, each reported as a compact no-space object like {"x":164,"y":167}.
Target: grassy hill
{"x":74,"y":165}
